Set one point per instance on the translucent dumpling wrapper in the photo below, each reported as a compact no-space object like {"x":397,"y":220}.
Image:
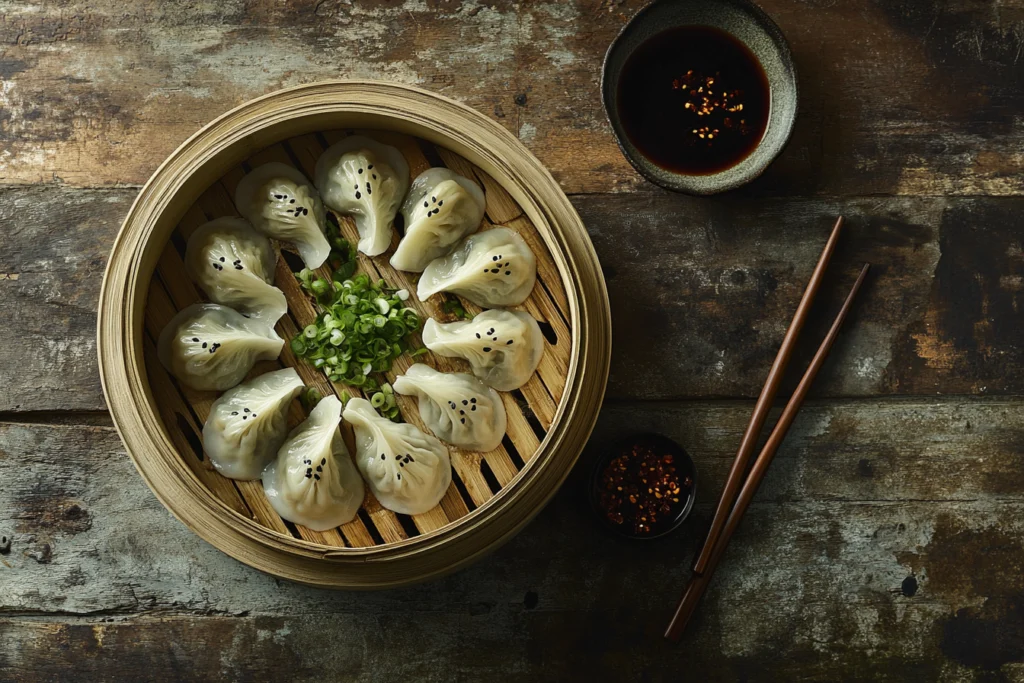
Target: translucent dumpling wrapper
{"x":248,"y":424}
{"x":503,"y":348}
{"x":234,"y":265}
{"x":281,"y":202}
{"x":312,"y":481}
{"x":491,"y":268}
{"x":367,"y":180}
{"x":456,"y":406}
{"x":212,"y":347}
{"x":441,"y":208}
{"x":408,"y":471}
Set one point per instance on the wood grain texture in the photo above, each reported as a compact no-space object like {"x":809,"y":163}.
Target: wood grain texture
{"x":886,"y":543}
{"x":863,"y":559}
{"x":923,"y":101}
{"x":711,"y":282}
{"x":53,"y":248}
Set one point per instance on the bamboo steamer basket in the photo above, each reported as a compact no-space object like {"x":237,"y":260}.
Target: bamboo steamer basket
{"x":493,"y":495}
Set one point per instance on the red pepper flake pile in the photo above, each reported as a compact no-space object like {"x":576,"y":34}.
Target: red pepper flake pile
{"x":642,"y":488}
{"x":718,"y":108}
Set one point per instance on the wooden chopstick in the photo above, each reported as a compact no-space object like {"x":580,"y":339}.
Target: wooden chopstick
{"x":764,"y":402}
{"x":700,"y":580}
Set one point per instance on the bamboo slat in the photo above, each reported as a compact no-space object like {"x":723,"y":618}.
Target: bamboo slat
{"x":492,"y":493}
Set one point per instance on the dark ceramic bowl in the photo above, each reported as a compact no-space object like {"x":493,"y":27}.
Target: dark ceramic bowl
{"x":751,"y":26}
{"x":660,"y":443}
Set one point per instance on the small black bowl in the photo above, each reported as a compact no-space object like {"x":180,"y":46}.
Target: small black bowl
{"x":748,"y":24}
{"x":658,"y":443}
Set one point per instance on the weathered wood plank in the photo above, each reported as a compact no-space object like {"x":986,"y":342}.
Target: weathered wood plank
{"x":710,"y":282}
{"x":702,"y":291}
{"x":954,"y":453}
{"x":53,"y":249}
{"x":865,"y":556}
{"x":923,"y":101}
{"x":492,"y":641}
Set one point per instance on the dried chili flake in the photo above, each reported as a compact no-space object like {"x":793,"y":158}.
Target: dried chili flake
{"x":640,"y":489}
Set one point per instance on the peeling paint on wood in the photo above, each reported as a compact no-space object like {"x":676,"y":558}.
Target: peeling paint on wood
{"x":887,"y":541}
{"x":923,"y":102}
{"x":57,"y":242}
{"x":712,"y":282}
{"x":844,"y":519}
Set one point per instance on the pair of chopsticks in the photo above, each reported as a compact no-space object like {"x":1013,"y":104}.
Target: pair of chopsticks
{"x":739,"y":491}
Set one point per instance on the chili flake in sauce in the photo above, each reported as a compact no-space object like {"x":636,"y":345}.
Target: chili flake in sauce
{"x":694,"y":100}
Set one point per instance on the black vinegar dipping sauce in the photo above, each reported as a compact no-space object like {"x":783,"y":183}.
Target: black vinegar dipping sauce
{"x":694,"y":100}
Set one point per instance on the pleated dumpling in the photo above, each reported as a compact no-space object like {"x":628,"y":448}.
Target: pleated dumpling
{"x":281,"y":202}
{"x":491,"y":268}
{"x":441,"y":208}
{"x":213,"y":347}
{"x":367,"y":180}
{"x":312,"y":481}
{"x":503,"y":347}
{"x":408,"y":471}
{"x":456,"y":406}
{"x":247,"y":424}
{"x":234,"y":265}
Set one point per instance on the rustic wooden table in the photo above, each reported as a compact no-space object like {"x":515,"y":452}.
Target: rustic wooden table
{"x":887,"y":542}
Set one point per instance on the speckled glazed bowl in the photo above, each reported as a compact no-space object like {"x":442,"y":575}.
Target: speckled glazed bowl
{"x":751,"y":26}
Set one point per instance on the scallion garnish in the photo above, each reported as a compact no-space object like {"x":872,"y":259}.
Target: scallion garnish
{"x":385,"y":403}
{"x":454,"y":307}
{"x":362,"y":327}
{"x":309,"y":398}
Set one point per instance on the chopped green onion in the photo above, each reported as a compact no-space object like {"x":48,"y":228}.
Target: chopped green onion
{"x":362,"y":327}
{"x":320,"y":286}
{"x":454,"y":307}
{"x":309,"y":398}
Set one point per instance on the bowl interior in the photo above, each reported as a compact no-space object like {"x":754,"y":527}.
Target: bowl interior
{"x":751,"y":26}
{"x":684,"y":465}
{"x":477,"y":478}
{"x":135,"y":297}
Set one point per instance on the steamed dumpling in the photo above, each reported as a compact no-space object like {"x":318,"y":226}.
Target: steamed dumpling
{"x":366,"y":180}
{"x":457,"y":407}
{"x":491,"y":268}
{"x":408,"y":471}
{"x":441,"y":208}
{"x":312,"y":481}
{"x":502,"y":347}
{"x":281,"y":202}
{"x":234,"y":265}
{"x":247,"y":424}
{"x":213,"y":347}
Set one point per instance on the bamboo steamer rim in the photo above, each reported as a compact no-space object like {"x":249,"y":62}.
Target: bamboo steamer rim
{"x":229,"y":140}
